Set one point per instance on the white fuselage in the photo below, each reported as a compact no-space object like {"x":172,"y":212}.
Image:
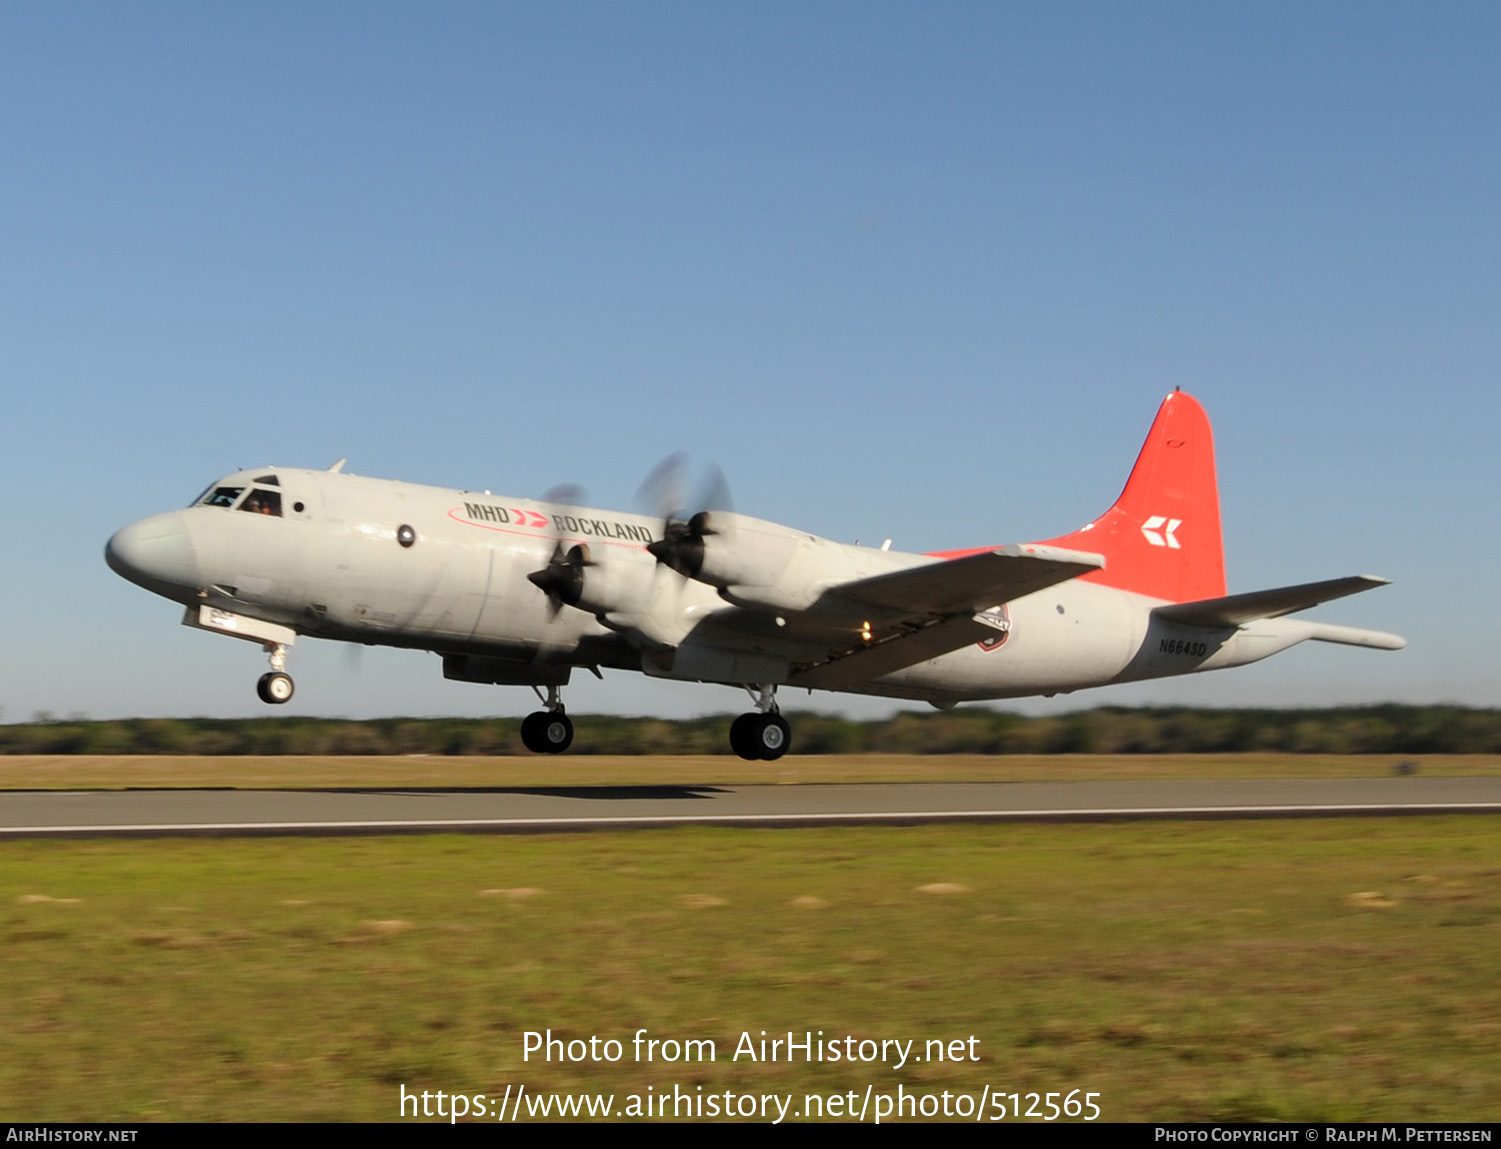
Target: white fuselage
{"x":384,"y":562}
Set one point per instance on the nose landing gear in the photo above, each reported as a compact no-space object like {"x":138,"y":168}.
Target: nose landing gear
{"x":761,"y":735}
{"x":275,"y":686}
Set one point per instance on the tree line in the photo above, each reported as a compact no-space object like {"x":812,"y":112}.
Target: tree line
{"x":1384,"y":729}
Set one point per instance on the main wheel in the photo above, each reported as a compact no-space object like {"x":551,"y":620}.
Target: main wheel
{"x":274,"y":687}
{"x":740,"y":736}
{"x":770,"y":736}
{"x":547,"y":732}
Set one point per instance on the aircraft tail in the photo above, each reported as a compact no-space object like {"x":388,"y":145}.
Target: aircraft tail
{"x":1162,"y":536}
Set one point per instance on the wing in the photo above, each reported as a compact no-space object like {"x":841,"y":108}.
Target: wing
{"x":858,"y":631}
{"x":977,"y":581}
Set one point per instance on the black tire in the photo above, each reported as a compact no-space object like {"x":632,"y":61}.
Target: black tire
{"x":771,"y":737}
{"x":530,"y":738}
{"x":547,"y":732}
{"x":274,"y":688}
{"x":741,"y":741}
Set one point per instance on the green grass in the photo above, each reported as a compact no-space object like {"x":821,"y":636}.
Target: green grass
{"x":1301,"y":970}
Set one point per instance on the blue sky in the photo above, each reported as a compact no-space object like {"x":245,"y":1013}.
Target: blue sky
{"x":909,"y":271}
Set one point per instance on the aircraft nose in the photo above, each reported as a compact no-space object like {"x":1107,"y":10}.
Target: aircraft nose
{"x":155,"y":553}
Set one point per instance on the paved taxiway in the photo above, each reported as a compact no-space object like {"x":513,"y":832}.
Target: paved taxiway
{"x":541,"y":808}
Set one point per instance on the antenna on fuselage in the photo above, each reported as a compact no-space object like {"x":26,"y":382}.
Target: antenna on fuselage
{"x":339,"y":466}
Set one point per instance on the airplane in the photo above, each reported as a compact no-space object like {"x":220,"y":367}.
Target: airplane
{"x":522,"y":592}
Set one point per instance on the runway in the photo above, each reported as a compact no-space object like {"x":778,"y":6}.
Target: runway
{"x":534,"y":809}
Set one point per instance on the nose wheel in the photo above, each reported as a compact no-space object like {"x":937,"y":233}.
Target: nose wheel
{"x":274,"y":687}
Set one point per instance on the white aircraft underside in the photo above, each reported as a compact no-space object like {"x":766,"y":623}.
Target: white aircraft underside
{"x":521,"y":592}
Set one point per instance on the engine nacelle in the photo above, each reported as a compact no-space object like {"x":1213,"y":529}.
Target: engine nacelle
{"x":620,"y":581}
{"x":741,"y":551}
{"x":630,"y":594}
{"x":764,"y":565}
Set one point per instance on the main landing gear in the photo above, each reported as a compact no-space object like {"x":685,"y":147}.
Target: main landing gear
{"x":761,"y":734}
{"x":275,"y":686}
{"x":548,"y":731}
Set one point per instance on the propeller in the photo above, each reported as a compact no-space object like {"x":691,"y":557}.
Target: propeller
{"x":662,"y":489}
{"x":564,"y":494}
{"x":562,"y":579}
{"x":681,"y":547}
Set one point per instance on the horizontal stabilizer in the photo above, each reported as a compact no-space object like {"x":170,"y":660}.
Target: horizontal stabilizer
{"x":1232,"y":610}
{"x":1356,"y":636}
{"x":976,"y":582}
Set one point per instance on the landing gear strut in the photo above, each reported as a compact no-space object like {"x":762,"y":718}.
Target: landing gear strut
{"x":548,"y":731}
{"x":761,"y":735}
{"x":275,"y":686}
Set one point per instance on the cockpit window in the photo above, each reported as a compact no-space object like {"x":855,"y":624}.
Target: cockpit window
{"x":271,"y":480}
{"x":222,"y":496}
{"x":262,"y":502}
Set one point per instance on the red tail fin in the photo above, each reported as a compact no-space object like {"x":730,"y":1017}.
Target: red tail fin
{"x":1162,"y":537}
